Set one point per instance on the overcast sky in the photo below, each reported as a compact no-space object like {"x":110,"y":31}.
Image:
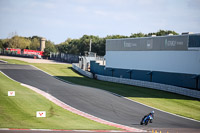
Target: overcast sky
{"x":58,"y":20}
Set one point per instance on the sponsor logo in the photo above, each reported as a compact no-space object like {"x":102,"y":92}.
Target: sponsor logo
{"x":171,"y":43}
{"x":11,"y":93}
{"x":129,"y":45}
{"x":41,"y":114}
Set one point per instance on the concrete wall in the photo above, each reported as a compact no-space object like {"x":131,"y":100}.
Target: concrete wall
{"x":169,"y":88}
{"x":176,"y":79}
{"x":78,"y":69}
{"x":187,"y":62}
{"x":158,"y":86}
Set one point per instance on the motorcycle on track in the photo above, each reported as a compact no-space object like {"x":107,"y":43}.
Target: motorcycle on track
{"x":146,"y":119}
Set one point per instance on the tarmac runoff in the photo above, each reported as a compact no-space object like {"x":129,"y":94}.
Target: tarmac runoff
{"x":98,"y":103}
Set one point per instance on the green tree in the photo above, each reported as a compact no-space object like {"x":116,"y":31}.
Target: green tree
{"x":64,"y":47}
{"x":1,"y":44}
{"x":5,"y":43}
{"x":49,"y":47}
{"x":35,"y":44}
{"x":19,"y":42}
{"x":81,"y":45}
{"x":140,"y":34}
{"x":73,"y":47}
{"x":165,"y":32}
{"x":115,"y":36}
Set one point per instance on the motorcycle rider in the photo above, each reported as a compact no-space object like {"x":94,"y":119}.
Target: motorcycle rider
{"x":152,"y":115}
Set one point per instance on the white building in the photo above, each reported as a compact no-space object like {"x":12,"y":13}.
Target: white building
{"x":176,"y":54}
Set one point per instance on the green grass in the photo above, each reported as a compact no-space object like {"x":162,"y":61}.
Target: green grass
{"x":20,"y":111}
{"x":13,"y":61}
{"x":170,"y":102}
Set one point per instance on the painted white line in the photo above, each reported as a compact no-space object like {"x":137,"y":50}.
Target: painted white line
{"x":81,"y":113}
{"x":41,"y":70}
{"x":132,"y":100}
{"x":120,"y":96}
{"x":8,"y":77}
{"x":52,"y":130}
{"x":3,"y":61}
{"x":4,"y":129}
{"x":51,"y":75}
{"x":76,"y":111}
{"x":157,"y":108}
{"x":83,"y":131}
{"x":40,"y":129}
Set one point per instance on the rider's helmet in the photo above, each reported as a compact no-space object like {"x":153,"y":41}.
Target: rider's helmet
{"x":152,"y":112}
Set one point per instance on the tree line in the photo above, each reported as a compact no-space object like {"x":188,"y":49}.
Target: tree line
{"x":72,"y":46}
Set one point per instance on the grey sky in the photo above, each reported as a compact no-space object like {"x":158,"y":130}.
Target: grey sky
{"x":58,"y":20}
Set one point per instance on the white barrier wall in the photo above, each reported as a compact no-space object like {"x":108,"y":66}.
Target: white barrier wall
{"x":163,"y":87}
{"x":78,"y":69}
{"x":166,"y":61}
{"x":157,"y":86}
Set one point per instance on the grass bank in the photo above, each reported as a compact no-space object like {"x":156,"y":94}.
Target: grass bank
{"x":20,"y":111}
{"x":170,"y":102}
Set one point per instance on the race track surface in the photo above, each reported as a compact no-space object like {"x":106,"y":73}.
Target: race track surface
{"x":97,"y":102}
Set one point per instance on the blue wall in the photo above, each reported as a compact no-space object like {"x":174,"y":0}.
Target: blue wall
{"x":177,"y":79}
{"x":194,"y":40}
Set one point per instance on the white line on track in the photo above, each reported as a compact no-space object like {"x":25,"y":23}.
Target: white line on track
{"x":129,"y":99}
{"x":76,"y":111}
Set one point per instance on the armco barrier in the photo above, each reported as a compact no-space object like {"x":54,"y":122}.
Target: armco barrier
{"x":158,"y":86}
{"x":85,"y":73}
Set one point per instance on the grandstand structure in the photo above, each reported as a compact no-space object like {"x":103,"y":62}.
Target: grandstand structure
{"x":170,"y":59}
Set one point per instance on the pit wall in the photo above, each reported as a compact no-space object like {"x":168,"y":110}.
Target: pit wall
{"x":176,"y":79}
{"x":147,"y":84}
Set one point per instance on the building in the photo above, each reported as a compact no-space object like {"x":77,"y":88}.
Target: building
{"x":179,"y":54}
{"x":169,"y":59}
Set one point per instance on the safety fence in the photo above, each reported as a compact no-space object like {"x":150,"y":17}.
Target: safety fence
{"x":69,"y":58}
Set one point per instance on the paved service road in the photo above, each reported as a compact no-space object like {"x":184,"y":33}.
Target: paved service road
{"x":97,"y":102}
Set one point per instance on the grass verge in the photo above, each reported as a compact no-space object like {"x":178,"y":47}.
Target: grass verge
{"x":20,"y":111}
{"x":170,"y":102}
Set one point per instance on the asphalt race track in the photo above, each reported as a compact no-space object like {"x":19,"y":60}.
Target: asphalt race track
{"x":98,"y":102}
